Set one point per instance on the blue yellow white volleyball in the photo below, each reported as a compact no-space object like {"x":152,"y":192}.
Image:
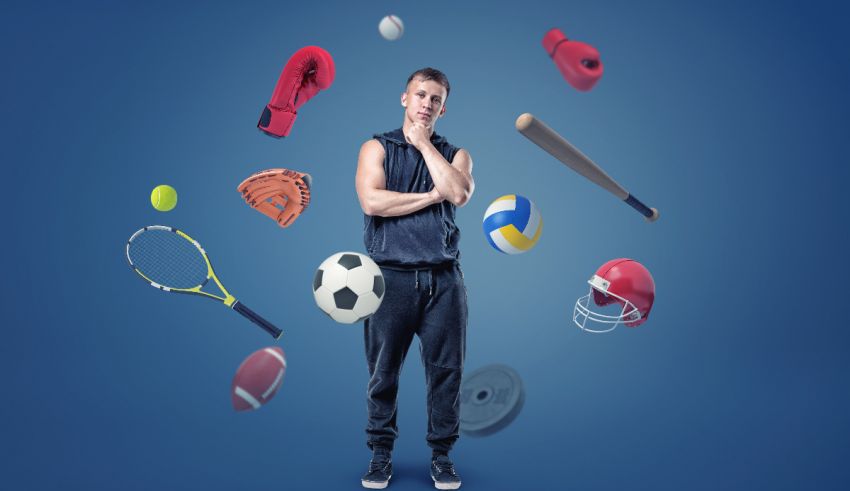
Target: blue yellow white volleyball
{"x":512,"y":224}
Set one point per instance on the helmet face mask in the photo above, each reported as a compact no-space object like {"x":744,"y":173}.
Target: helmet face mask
{"x":621,"y":282}
{"x":582,"y":312}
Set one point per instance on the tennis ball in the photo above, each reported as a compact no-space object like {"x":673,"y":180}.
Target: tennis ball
{"x":164,"y":197}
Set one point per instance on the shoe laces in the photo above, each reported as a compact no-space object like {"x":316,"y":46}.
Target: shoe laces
{"x":378,"y":462}
{"x":443,"y":464}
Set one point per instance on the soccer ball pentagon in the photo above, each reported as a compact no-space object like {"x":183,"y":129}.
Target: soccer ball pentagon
{"x":348,"y":287}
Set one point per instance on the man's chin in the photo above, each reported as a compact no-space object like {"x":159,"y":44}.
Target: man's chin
{"x":425,"y":120}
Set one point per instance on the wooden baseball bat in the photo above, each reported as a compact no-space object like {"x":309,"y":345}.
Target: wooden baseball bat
{"x":547,"y":139}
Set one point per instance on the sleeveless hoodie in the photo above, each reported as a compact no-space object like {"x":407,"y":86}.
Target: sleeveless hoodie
{"x":425,"y":238}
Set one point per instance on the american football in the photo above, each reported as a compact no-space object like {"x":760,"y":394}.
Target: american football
{"x":258,"y":378}
{"x":349,"y":287}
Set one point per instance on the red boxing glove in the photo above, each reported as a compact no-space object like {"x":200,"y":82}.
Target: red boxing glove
{"x":310,"y":70}
{"x":578,"y":62}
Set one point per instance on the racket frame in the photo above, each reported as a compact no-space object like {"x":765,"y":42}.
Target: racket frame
{"x":227,"y":299}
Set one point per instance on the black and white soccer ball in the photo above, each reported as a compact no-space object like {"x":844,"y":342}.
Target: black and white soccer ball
{"x":349,"y":287}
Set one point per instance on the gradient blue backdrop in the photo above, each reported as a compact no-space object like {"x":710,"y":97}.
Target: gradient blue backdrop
{"x":727,"y":117}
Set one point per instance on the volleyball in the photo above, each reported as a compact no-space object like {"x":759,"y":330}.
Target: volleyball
{"x":512,"y":224}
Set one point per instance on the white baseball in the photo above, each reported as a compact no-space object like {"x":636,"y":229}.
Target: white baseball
{"x":391,"y":27}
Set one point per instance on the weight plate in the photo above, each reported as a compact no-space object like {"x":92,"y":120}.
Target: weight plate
{"x":490,"y":399}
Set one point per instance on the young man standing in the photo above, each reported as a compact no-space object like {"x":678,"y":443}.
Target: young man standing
{"x":409,"y":182}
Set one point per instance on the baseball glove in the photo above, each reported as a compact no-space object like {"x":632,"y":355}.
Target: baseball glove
{"x":280,"y":194}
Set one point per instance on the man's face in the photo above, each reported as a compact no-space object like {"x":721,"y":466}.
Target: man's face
{"x":424,"y":101}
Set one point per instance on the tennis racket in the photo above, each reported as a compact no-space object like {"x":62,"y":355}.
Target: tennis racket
{"x":172,"y":261}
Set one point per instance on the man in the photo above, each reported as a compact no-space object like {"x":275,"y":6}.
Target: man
{"x":409,"y":182}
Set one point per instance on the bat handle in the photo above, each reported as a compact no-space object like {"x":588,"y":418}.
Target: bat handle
{"x":256,"y":319}
{"x":651,"y":214}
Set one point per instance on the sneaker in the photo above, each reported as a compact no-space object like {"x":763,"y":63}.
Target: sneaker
{"x":380,"y":470}
{"x":443,"y":473}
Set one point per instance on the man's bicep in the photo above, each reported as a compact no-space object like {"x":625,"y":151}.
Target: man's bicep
{"x":370,"y":167}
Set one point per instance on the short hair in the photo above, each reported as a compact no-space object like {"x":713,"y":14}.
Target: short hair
{"x":429,"y":73}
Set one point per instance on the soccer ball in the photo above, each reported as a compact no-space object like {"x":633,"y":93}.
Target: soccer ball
{"x":348,"y":287}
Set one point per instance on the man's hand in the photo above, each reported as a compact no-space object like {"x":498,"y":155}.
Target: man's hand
{"x":418,"y":135}
{"x":435,"y":196}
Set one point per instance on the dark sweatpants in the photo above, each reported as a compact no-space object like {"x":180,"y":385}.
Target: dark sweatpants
{"x":431,"y":304}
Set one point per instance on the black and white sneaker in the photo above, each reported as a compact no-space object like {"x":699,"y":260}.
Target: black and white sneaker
{"x":443,"y":473}
{"x":380,"y":470}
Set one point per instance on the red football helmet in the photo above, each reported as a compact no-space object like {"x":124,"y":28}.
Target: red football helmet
{"x":623,"y":281}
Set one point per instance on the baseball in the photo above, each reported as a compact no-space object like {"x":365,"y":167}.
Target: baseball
{"x":391,"y":27}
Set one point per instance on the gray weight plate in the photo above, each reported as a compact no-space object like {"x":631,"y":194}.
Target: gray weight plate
{"x":490,"y":399}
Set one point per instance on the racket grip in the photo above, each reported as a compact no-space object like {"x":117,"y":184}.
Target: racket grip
{"x":256,"y":319}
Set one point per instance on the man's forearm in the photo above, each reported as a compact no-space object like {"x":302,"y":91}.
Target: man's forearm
{"x":383,"y":203}
{"x":451,"y":184}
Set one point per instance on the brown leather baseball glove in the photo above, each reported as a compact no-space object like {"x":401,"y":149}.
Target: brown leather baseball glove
{"x":281,"y":194}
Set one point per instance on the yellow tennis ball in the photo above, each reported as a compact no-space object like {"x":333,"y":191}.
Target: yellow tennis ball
{"x":164,"y":197}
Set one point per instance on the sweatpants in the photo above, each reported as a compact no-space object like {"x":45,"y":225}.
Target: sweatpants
{"x":431,"y":304}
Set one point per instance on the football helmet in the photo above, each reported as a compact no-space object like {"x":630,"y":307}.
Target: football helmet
{"x":619,"y":281}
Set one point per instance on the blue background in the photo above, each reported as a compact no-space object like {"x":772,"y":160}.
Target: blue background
{"x":729,"y":118}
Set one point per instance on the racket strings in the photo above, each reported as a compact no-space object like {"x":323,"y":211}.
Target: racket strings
{"x":168,"y":259}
